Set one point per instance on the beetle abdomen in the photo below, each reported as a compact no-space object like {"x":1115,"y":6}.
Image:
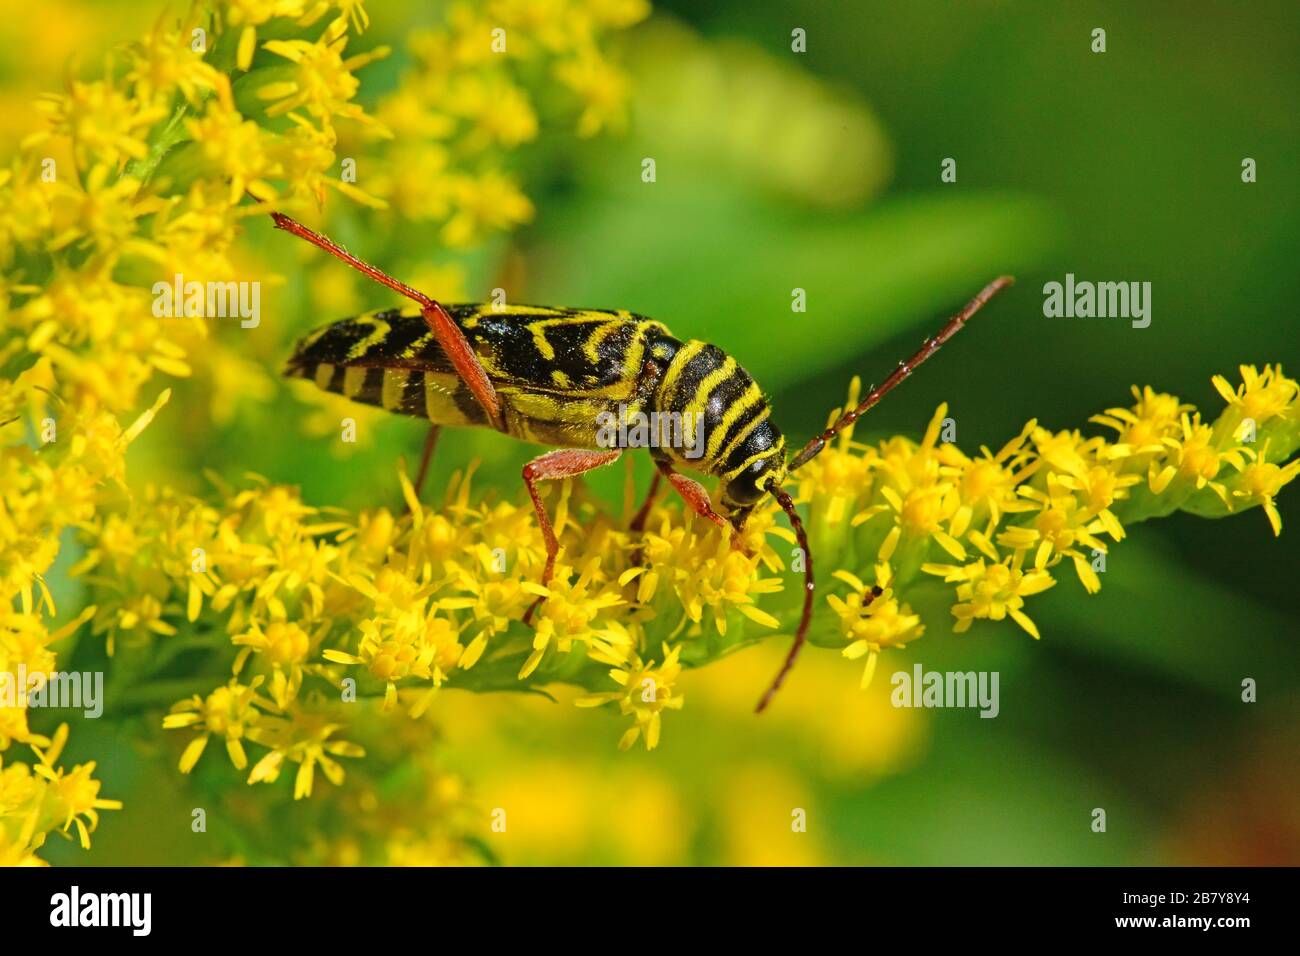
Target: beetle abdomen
{"x":389,"y":359}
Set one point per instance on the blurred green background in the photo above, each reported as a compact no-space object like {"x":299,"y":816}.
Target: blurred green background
{"x":821,"y":171}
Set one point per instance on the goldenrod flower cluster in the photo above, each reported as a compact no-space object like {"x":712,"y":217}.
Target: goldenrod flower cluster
{"x":458,"y":116}
{"x":1004,"y":526}
{"x":43,"y":492}
{"x":147,"y":172}
{"x":138,"y":175}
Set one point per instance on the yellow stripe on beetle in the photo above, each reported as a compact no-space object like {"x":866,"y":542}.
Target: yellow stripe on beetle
{"x":748,"y":399}
{"x":390,"y":397}
{"x":354,"y":379}
{"x":381,"y":330}
{"x":683,"y":359}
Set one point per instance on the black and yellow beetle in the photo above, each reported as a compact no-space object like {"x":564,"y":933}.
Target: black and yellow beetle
{"x":546,"y":375}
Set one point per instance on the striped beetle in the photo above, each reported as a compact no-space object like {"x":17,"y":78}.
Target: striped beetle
{"x":546,"y":375}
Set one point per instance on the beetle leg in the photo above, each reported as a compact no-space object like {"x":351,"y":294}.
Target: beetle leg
{"x":430,"y":441}
{"x":447,"y":332}
{"x":463,"y":360}
{"x":739,"y":517}
{"x":693,"y":494}
{"x":637,"y":525}
{"x":639,"y":519}
{"x":563,"y":463}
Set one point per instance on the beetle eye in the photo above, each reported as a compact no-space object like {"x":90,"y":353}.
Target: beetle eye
{"x":740,"y":493}
{"x":745,"y":489}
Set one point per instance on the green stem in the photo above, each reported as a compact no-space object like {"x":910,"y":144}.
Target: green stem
{"x":160,"y":695}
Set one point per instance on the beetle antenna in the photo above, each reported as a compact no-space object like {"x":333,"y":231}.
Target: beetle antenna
{"x":787,"y":505}
{"x":898,"y":375}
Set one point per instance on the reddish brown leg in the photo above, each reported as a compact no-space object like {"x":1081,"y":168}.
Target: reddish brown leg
{"x":564,"y":463}
{"x":448,"y":333}
{"x":430,"y":442}
{"x":692,"y":493}
{"x":637,"y":527}
{"x":639,"y":519}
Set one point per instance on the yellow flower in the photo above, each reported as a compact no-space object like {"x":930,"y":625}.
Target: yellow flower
{"x":1100,"y":488}
{"x":250,"y":14}
{"x":1258,"y":484}
{"x":1143,"y":428}
{"x":600,"y":86}
{"x":309,"y":152}
{"x":1069,"y":452}
{"x":105,"y":124}
{"x":992,"y":591}
{"x":285,"y":647}
{"x":872,"y":619}
{"x":986,"y":484}
{"x":236,"y":146}
{"x":1195,"y":459}
{"x":303,"y":739}
{"x":917,"y":495}
{"x":919,"y":515}
{"x":646,"y":691}
{"x":493,"y":599}
{"x":322,"y":81}
{"x":568,"y":610}
{"x":71,"y":796}
{"x":483,"y":203}
{"x":704,"y":572}
{"x":14,"y":729}
{"x":229,"y":712}
{"x":164,"y":61}
{"x":552,"y":24}
{"x":840,"y":479}
{"x":1261,"y":396}
{"x":76,"y":324}
{"x":615,"y":14}
{"x":25,"y":644}
{"x":499,"y":112}
{"x":24,"y":217}
{"x":14,"y":852}
{"x":1057,"y":531}
{"x":195,"y":230}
